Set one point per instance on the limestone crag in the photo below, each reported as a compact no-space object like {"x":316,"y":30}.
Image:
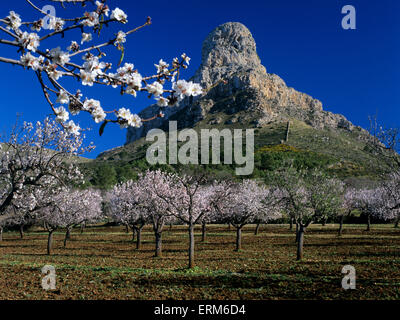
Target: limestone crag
{"x":229,"y":53}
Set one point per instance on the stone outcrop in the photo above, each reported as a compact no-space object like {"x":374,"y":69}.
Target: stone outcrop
{"x":229,"y":53}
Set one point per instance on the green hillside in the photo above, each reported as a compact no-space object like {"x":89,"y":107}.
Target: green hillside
{"x":340,"y":153}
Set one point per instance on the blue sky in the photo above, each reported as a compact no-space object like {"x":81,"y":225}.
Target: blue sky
{"x":353,"y":72}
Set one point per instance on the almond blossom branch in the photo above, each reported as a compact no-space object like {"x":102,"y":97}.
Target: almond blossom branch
{"x":56,"y":63}
{"x":110,"y":42}
{"x":11,"y":61}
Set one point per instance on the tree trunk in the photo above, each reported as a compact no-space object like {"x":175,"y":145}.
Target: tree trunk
{"x":324,"y":222}
{"x":257,"y":229}
{"x":191,"y":246}
{"x":341,"y":225}
{"x":158,"y":252}
{"x":127,"y":228}
{"x":368,"y":222}
{"x":238,"y":238}
{"x":291,"y":224}
{"x":229,"y":227}
{"x":133,"y":234}
{"x":21,"y":231}
{"x":83,"y":225}
{"x":68,"y":233}
{"x":170,"y":227}
{"x":139,"y":238}
{"x":67,"y":236}
{"x":297,"y":233}
{"x":1,"y":234}
{"x":203,"y":232}
{"x":300,"y":243}
{"x":49,"y":242}
{"x":396,"y":224}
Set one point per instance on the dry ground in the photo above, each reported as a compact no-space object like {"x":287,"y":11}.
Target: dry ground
{"x":102,"y":263}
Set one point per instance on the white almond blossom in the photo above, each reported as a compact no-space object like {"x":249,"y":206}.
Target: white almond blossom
{"x":86,"y":37}
{"x":56,"y":24}
{"x":135,"y":121}
{"x":124,"y":71}
{"x":87,"y":78}
{"x":162,"y":66}
{"x":91,"y":104}
{"x":119,"y":15}
{"x":74,"y":46}
{"x":185,"y":58}
{"x":196,"y":90}
{"x":63,"y":97}
{"x":53,"y":72}
{"x":62,"y":114}
{"x":30,"y":41}
{"x":111,"y":75}
{"x":98,"y":115}
{"x":13,"y":21}
{"x":186,"y":89}
{"x":130,"y":90}
{"x":124,"y":113}
{"x":155,"y":88}
{"x":130,"y":119}
{"x":175,"y":62}
{"x":94,"y":107}
{"x":162,"y":102}
{"x":59,"y":57}
{"x":121,"y":37}
{"x":30,"y":61}
{"x":92,"y":19}
{"x":134,"y":81}
{"x":101,"y":7}
{"x":72,"y":128}
{"x":173,"y":76}
{"x":93,"y":66}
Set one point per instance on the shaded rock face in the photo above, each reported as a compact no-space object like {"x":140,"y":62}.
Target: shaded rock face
{"x":229,"y":53}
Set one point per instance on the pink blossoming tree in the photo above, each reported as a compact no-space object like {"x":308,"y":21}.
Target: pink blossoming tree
{"x":128,"y":207}
{"x":36,"y":158}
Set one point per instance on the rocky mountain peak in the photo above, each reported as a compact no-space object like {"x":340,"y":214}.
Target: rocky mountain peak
{"x":227,"y":49}
{"x":249,"y":96}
